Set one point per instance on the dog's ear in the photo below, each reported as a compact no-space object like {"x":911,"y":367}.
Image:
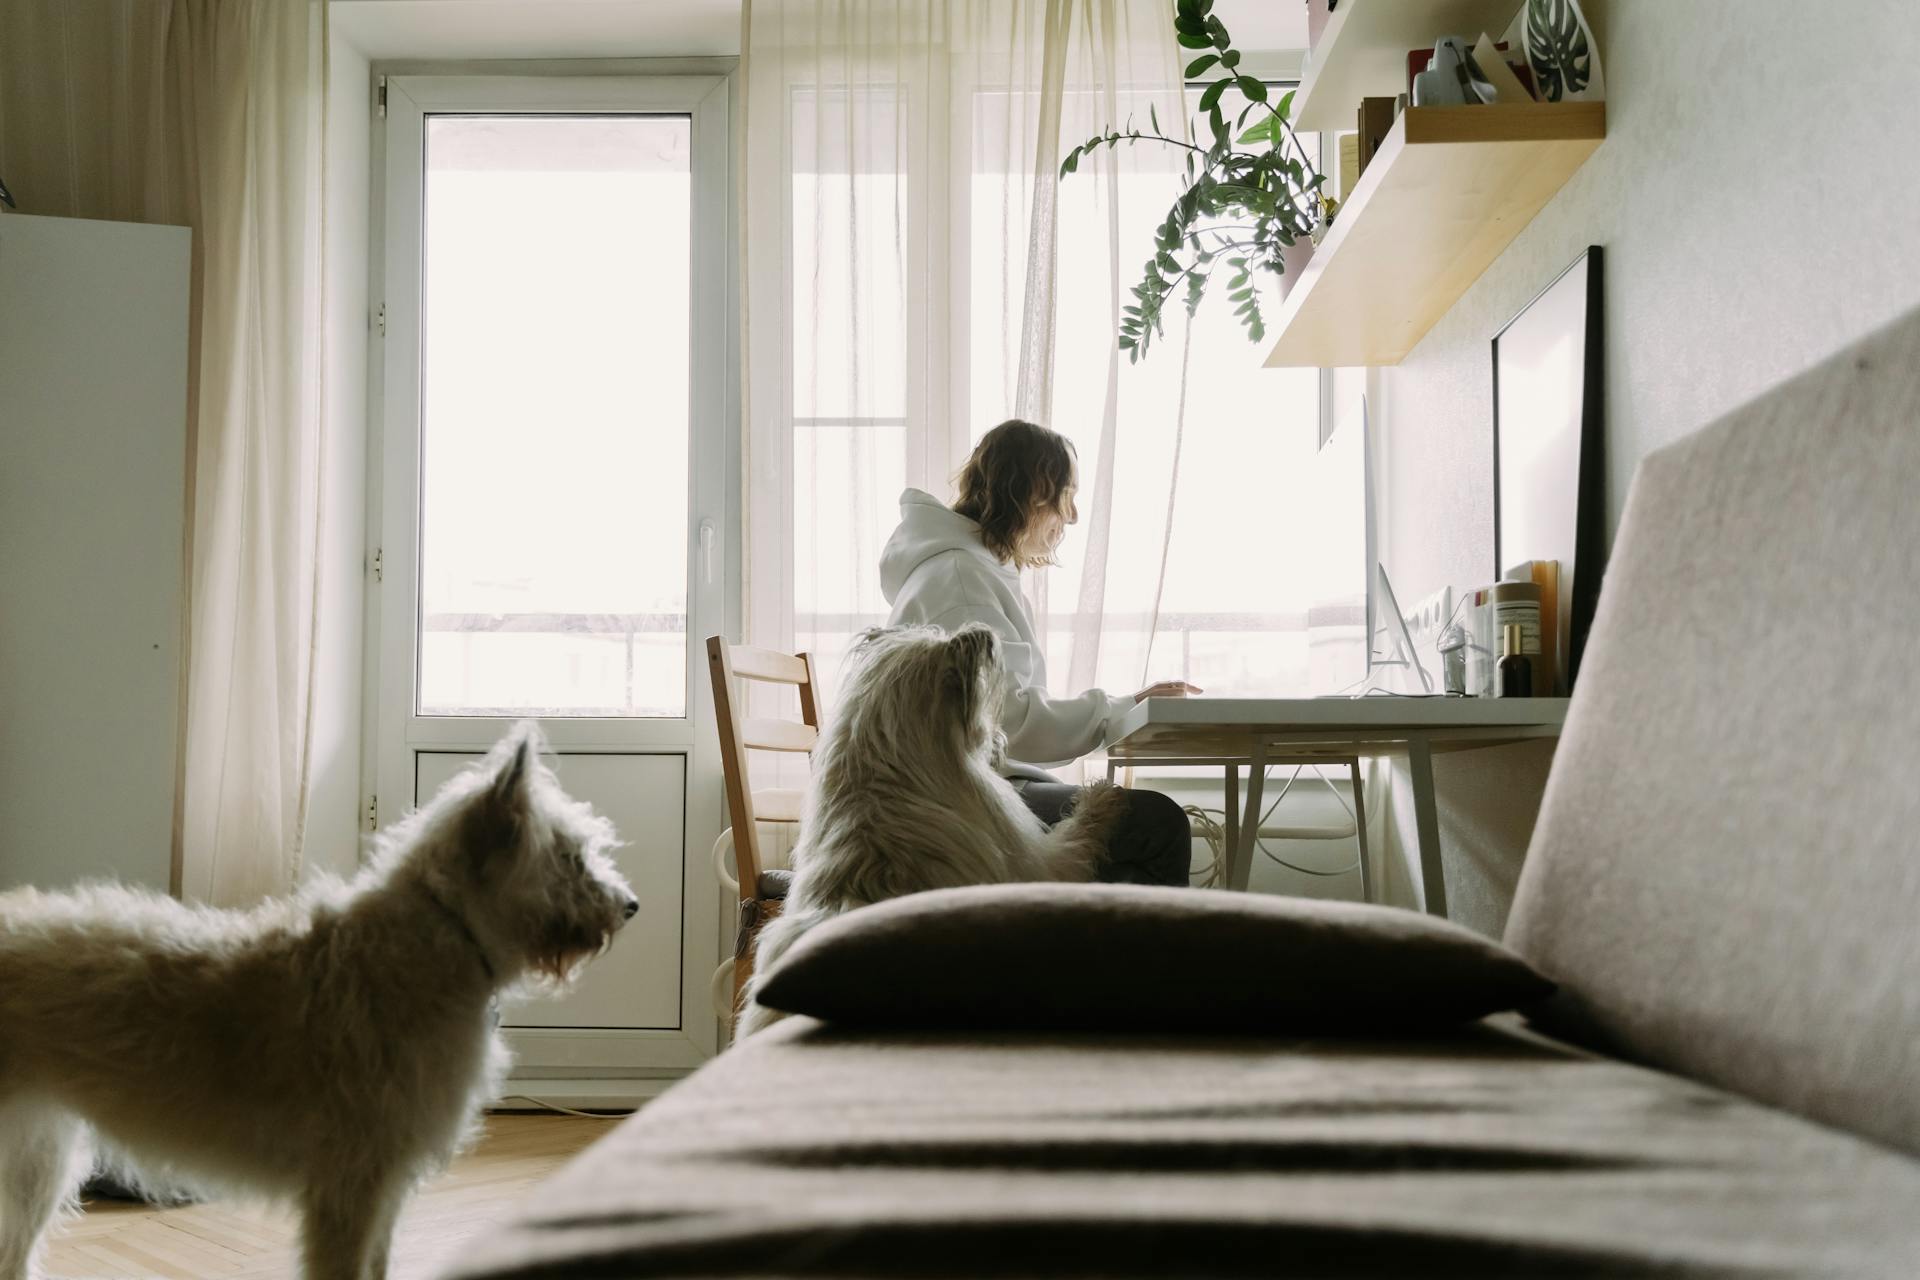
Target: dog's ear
{"x":972,"y":646}
{"x":970,"y":650}
{"x":510,"y":793}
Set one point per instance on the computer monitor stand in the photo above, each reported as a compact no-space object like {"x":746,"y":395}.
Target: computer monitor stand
{"x":1390,"y":645}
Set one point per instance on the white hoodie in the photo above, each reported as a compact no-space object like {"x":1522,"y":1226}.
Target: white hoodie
{"x":936,"y":571}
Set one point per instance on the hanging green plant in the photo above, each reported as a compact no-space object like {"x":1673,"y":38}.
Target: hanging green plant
{"x":1258,"y":173}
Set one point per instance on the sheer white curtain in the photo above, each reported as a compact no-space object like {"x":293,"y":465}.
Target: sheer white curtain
{"x":907,"y":250}
{"x":915,"y":272}
{"x":209,"y":114}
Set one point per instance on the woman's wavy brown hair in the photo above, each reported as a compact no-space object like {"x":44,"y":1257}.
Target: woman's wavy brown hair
{"x":1017,"y":469}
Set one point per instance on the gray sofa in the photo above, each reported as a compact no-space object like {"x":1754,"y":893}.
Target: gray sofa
{"x":1724,"y":880}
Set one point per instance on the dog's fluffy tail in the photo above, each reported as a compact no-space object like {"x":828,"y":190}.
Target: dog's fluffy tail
{"x":774,"y":942}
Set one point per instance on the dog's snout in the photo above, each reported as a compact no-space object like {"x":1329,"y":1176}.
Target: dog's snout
{"x":632,"y":908}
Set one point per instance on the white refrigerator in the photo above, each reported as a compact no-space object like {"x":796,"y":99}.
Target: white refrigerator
{"x":93,"y":456}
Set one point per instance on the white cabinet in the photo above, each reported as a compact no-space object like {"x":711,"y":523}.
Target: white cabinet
{"x":93,"y":403}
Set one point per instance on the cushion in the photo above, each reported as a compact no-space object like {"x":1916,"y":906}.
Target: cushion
{"x":822,"y":1151}
{"x":1724,"y":876}
{"x":1144,"y":958}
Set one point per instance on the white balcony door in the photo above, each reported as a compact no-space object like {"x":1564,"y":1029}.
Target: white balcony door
{"x":553,"y":446}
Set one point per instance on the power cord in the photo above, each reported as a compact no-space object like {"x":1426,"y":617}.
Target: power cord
{"x":1213,"y":831}
{"x":557,"y":1109}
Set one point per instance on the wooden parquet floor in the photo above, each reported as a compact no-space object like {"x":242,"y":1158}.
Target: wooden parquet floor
{"x":250,"y":1242}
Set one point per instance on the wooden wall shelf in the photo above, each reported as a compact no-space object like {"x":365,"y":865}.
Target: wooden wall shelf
{"x":1363,"y":51}
{"x":1448,"y":191}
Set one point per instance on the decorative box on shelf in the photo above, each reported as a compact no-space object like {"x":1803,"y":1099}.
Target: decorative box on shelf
{"x":1362,"y":48}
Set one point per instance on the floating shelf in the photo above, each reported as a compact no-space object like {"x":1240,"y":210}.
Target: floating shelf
{"x":1363,"y":51}
{"x":1448,"y":190}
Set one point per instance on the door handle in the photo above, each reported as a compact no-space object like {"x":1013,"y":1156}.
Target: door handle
{"x":706,"y":550}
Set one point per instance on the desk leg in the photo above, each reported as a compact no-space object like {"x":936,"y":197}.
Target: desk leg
{"x":1242,"y":870}
{"x":1360,"y":830}
{"x":1231,"y":849}
{"x":1427,"y":826}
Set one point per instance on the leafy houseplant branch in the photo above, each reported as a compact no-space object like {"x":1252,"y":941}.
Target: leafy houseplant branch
{"x":1272,"y":191}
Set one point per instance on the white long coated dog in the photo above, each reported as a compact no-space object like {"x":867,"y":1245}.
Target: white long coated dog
{"x":904,"y":794}
{"x":331,"y":1049}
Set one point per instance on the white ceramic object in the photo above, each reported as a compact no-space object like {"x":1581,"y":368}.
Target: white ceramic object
{"x":1562,"y":52}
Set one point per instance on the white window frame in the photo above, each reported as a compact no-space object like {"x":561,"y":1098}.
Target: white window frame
{"x":395,"y":731}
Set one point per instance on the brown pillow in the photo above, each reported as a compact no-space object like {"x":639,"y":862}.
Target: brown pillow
{"x":1140,"y":958}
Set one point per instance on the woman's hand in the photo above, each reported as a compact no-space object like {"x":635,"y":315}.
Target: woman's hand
{"x":1167,"y":689}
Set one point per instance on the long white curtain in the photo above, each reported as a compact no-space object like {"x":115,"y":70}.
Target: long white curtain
{"x":907,"y":251}
{"x":210,"y":114}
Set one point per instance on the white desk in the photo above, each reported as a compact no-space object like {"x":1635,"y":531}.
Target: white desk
{"x":1261,"y":732}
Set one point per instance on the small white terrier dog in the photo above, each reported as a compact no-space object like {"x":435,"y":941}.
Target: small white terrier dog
{"x":332,"y":1049}
{"x":906,"y":796}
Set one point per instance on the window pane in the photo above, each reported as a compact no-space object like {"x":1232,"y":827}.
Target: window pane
{"x":849,"y":254}
{"x":850,"y":359}
{"x":846,"y":502}
{"x":554,"y":416}
{"x":1252,"y":479}
{"x":1252,"y":549}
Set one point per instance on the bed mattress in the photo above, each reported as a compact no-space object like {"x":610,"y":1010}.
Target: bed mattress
{"x":816,"y":1151}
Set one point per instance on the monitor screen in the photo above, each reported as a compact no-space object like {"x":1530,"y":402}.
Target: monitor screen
{"x":1548,"y":469}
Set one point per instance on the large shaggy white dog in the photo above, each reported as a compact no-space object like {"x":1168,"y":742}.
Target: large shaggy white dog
{"x":331,"y":1049}
{"x":905,"y":796}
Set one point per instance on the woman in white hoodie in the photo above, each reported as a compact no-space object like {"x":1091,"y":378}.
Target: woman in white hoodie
{"x":948,"y":566}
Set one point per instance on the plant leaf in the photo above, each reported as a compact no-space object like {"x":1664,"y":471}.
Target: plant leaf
{"x":1262,"y":132}
{"x":1259,"y":184}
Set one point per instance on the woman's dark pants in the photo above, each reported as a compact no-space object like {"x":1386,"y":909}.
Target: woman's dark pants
{"x":1153,"y":844}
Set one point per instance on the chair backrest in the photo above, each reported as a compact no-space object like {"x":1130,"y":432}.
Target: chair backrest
{"x":740,"y":734}
{"x":1725,"y":875}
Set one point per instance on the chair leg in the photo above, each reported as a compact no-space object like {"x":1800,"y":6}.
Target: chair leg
{"x":742,"y":970}
{"x":742,"y":974}
{"x":754,"y":915}
{"x":745,"y":941}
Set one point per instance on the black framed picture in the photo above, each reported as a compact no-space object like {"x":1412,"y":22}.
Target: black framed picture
{"x":1549,"y":450}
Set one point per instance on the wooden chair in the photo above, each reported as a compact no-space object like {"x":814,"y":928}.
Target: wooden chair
{"x":762,"y":891}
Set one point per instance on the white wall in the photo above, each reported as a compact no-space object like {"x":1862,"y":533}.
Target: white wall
{"x":1759,"y":200}
{"x":458,"y":30}
{"x":334,"y":801}
{"x":523,"y":29}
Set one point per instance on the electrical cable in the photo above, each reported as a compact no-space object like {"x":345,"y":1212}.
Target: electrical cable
{"x":1215,"y":837}
{"x":555,"y":1107}
{"x":1214,"y":833}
